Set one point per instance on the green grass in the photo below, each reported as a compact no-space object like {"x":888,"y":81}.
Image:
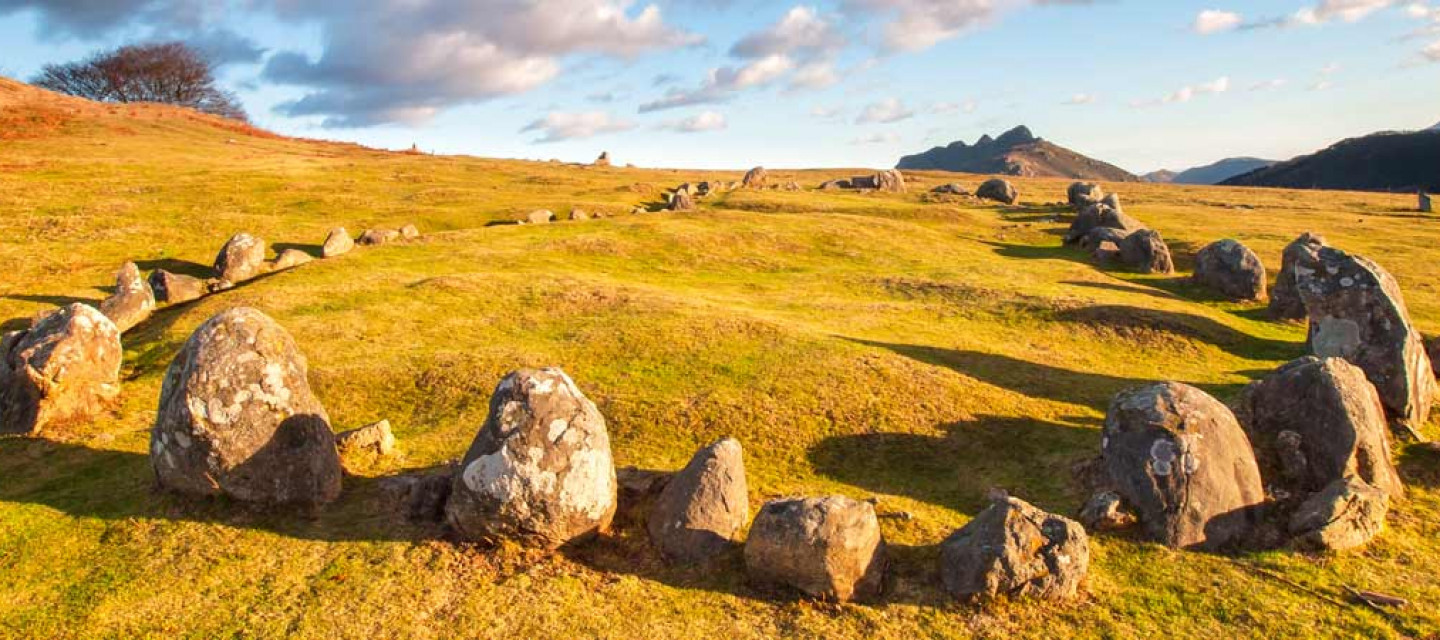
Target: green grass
{"x":893,"y":346}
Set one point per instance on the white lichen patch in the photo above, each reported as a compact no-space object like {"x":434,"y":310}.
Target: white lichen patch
{"x":589,"y":485}
{"x":557,"y":429}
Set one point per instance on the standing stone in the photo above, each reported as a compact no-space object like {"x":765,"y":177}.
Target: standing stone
{"x":1302,"y":253}
{"x":133,"y":300}
{"x":578,"y":214}
{"x":1358,"y":313}
{"x":1146,"y":251}
{"x":289,"y":259}
{"x":829,"y":548}
{"x":998,"y":190}
{"x":539,"y":471}
{"x":892,"y":181}
{"x":540,"y":216}
{"x":1180,"y":459}
{"x":700,"y":513}
{"x":409,"y":232}
{"x":603,"y":160}
{"x":1347,"y":514}
{"x":174,"y":288}
{"x":1315,"y":421}
{"x":242,"y":258}
{"x":1425,"y":205}
{"x":1014,"y":549}
{"x":63,"y":370}
{"x":756,"y":178}
{"x":1084,"y":194}
{"x":338,"y":243}
{"x":237,"y":417}
{"x":375,"y":438}
{"x":1232,"y":270}
{"x":1099,"y":216}
{"x":377,"y":237}
{"x":681,"y":201}
{"x":1432,"y":349}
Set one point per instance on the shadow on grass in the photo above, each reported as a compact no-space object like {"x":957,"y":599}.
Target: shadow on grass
{"x":1038,"y":252}
{"x":312,"y":250}
{"x":1420,"y":465}
{"x":182,"y":267}
{"x":1124,"y":288}
{"x":1131,"y":321}
{"x":58,"y":301}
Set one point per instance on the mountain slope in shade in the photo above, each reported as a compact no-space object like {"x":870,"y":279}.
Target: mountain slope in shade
{"x":1220,"y":171}
{"x":1016,"y":153}
{"x":1162,"y":176}
{"x":1380,"y":162}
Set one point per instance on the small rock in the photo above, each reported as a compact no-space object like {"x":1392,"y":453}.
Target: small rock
{"x":540,"y":216}
{"x":829,"y":548}
{"x":289,"y":259}
{"x":409,"y":232}
{"x":579,"y":214}
{"x":1346,"y":514}
{"x":603,"y":160}
{"x":1105,"y":511}
{"x":375,"y":439}
{"x":173,"y":288}
{"x":133,"y":300}
{"x":953,"y":188}
{"x":338,"y":243}
{"x":835,"y":185}
{"x":63,"y":370}
{"x":242,"y":258}
{"x":1014,"y":549}
{"x":377,"y":237}
{"x":702,"y":509}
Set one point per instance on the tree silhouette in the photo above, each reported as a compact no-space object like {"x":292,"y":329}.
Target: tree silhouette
{"x":168,"y":73}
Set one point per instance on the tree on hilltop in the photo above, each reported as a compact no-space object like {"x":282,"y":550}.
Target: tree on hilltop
{"x":167,"y":73}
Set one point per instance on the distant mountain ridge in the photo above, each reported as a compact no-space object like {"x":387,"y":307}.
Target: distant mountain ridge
{"x":1389,"y":161}
{"x":1218,"y":172}
{"x":1017,"y":152}
{"x":1163,"y":176}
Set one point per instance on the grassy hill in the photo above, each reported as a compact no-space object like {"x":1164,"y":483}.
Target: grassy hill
{"x":897,"y":346}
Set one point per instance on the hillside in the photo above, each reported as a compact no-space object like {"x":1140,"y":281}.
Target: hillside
{"x":1015,"y":153}
{"x":1221,"y":171}
{"x":913,"y":349}
{"x":1395,"y":162}
{"x":1163,"y":176}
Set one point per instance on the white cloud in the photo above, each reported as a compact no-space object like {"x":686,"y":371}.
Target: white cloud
{"x":1330,"y":69}
{"x":1432,"y":52}
{"x":558,"y":126}
{"x":1322,"y":85}
{"x":815,"y":75}
{"x":825,"y":113}
{"x":885,"y":111}
{"x":723,"y":82}
{"x":705,"y":121}
{"x":1267,"y":85}
{"x":1081,"y":99}
{"x":802,"y":32}
{"x":1214,"y":21}
{"x":876,"y":138}
{"x":1188,"y":93}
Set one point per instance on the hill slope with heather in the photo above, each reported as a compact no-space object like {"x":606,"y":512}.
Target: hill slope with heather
{"x":1395,"y":162}
{"x":914,"y":349}
{"x":1015,"y":153}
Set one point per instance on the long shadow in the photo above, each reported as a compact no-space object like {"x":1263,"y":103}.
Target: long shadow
{"x":57,"y":301}
{"x":1128,"y":320}
{"x":1420,"y":465}
{"x":119,"y":485}
{"x":182,"y":267}
{"x":1124,"y":288}
{"x":1038,"y":252}
{"x":313,"y":250}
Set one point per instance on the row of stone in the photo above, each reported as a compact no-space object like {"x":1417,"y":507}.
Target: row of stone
{"x":1102,"y":228}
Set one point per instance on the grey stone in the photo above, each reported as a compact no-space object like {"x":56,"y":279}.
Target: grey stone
{"x":1301,"y":254}
{"x":289,"y":259}
{"x":1232,"y":270}
{"x":1014,"y":549}
{"x":63,"y":370}
{"x":1346,"y":514}
{"x":133,"y":300}
{"x":829,"y":548}
{"x":242,"y":258}
{"x":174,"y":288}
{"x":1146,"y":251}
{"x":756,"y":178}
{"x":374,"y":439}
{"x":998,"y":190}
{"x":338,"y":243}
{"x":1081,"y":195}
{"x":377,"y":237}
{"x":702,"y":509}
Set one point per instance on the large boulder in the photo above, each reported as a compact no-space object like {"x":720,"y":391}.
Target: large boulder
{"x":998,"y":190}
{"x":1084,"y":194}
{"x":1358,"y":313}
{"x":756,"y":178}
{"x":1146,"y":251}
{"x":540,"y":470}
{"x":174,"y":288}
{"x":891,"y":180}
{"x":1315,"y":421}
{"x":63,"y":370}
{"x":1302,"y":253}
{"x":1112,"y":200}
{"x":1232,"y":270}
{"x":1014,"y":549}
{"x":1179,"y":458}
{"x":702,"y":509}
{"x":338,"y":243}
{"x":237,"y":417}
{"x":1346,"y":514}
{"x":829,"y":548}
{"x":242,"y":258}
{"x":133,"y":300}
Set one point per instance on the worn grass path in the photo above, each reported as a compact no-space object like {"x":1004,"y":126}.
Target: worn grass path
{"x":920,"y":352}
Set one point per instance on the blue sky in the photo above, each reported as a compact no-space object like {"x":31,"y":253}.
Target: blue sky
{"x":1144,"y":84}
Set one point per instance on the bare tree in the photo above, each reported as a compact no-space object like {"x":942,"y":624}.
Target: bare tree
{"x":169,"y":73}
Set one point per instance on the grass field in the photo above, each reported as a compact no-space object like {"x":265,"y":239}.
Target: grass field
{"x":917,"y":351}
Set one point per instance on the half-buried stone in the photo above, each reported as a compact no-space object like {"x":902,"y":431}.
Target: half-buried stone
{"x":1014,"y":549}
{"x":1232,"y":270}
{"x":1358,"y":313}
{"x":540,"y":470}
{"x":338,"y":243}
{"x":1301,"y":254}
{"x":174,"y":288}
{"x":289,"y":259}
{"x":133,"y":300}
{"x":998,"y":190}
{"x":63,"y":370}
{"x":237,"y":417}
{"x":242,"y":258}
{"x":409,"y":232}
{"x":377,"y":237}
{"x":702,"y":509}
{"x":1146,"y":251}
{"x":1180,"y":459}
{"x":1346,"y":514}
{"x":829,"y":548}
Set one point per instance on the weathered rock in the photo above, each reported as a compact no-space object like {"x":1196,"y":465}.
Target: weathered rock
{"x":540,"y":216}
{"x":1178,"y":457}
{"x":1014,"y":549}
{"x":1100,"y":235}
{"x":686,"y":188}
{"x":1084,"y":194}
{"x":1315,"y":421}
{"x":953,"y":189}
{"x":756,"y":178}
{"x":237,"y":417}
{"x":174,"y":288}
{"x":790,"y":186}
{"x":1112,"y":200}
{"x":338,"y":243}
{"x":578,"y":214}
{"x":540,"y":470}
{"x":289,"y":259}
{"x":1358,"y":313}
{"x":998,"y":190}
{"x":377,"y":237}
{"x":1099,"y":216}
{"x":1426,"y":206}
{"x":681,"y":201}
{"x":133,"y":300}
{"x":1346,"y":514}
{"x":1106,"y":511}
{"x":428,"y":496}
{"x":1303,"y":253}
{"x":1146,"y":251}
{"x":373,"y":439}
{"x":833,"y":185}
{"x":1232,"y":270}
{"x":409,"y":232}
{"x":702,"y":509}
{"x":892,"y":181}
{"x":63,"y":370}
{"x":1106,"y":253}
{"x":603,"y":160}
{"x":829,"y":548}
{"x":242,"y":258}
{"x":1432,"y":348}
{"x":703,"y":189}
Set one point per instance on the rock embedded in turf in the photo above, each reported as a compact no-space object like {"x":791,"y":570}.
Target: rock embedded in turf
{"x":1232,"y":270}
{"x":377,"y":237}
{"x":237,"y":417}
{"x":1014,"y":549}
{"x":338,"y":243}
{"x":540,"y":216}
{"x":539,"y":471}
{"x":1100,"y":235}
{"x":242,"y":258}
{"x":63,"y":370}
{"x":756,"y":178}
{"x":1084,"y":194}
{"x":409,"y":232}
{"x":830,"y":548}
{"x":837,"y":184}
{"x":1180,"y":459}
{"x":133,"y":300}
{"x":998,"y":190}
{"x":373,"y":439}
{"x":1346,"y":514}
{"x":952,"y":189}
{"x":1300,"y":254}
{"x":1357,"y":313}
{"x":681,"y":201}
{"x":174,"y":288}
{"x":1147,"y":252}
{"x":1106,"y":511}
{"x":702,"y":509}
{"x":1315,"y":421}
{"x":578,"y":214}
{"x":890,"y":181}
{"x":289,"y":259}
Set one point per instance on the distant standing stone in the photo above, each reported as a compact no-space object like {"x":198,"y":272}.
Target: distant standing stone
{"x":338,"y":243}
{"x":174,"y":288}
{"x":540,"y":216}
{"x":1301,"y":254}
{"x":829,"y":548}
{"x":1084,"y":194}
{"x":603,"y":160}
{"x":133,"y":300}
{"x":1425,"y":205}
{"x":681,"y":201}
{"x":1232,"y":270}
{"x":242,"y":258}
{"x":892,"y":181}
{"x":65,"y":369}
{"x":289,"y":259}
{"x":703,"y":508}
{"x":377,"y":237}
{"x":1014,"y":549}
{"x":578,"y":214}
{"x":756,"y":178}
{"x":409,"y":232}
{"x":998,"y":190}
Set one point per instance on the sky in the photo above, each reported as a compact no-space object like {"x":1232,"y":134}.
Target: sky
{"x":1144,"y":84}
